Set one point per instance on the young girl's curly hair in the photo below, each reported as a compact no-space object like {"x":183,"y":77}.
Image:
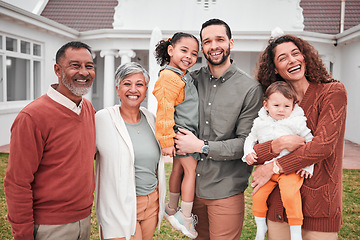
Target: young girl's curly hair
{"x":161,"y":50}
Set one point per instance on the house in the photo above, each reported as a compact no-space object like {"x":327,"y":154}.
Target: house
{"x":120,"y":31}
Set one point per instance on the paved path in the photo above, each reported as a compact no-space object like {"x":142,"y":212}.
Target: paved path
{"x":5,"y":149}
{"x":351,"y":155}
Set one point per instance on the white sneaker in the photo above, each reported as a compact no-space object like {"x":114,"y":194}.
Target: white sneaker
{"x":169,"y":215}
{"x":185,"y":224}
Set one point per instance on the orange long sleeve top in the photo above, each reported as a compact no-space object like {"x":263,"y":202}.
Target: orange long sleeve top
{"x":169,"y":92}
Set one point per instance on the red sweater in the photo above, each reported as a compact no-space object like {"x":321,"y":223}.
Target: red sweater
{"x":325,"y":109}
{"x":50,"y":175}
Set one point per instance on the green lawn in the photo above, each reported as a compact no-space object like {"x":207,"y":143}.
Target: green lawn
{"x":349,"y":230}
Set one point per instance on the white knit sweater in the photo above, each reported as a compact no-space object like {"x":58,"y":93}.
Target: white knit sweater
{"x":265,"y":128}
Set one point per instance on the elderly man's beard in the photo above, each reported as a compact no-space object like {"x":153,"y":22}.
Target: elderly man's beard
{"x":77,"y":91}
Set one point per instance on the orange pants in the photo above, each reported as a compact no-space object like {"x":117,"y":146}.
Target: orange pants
{"x":289,"y":186}
{"x":147,"y":210}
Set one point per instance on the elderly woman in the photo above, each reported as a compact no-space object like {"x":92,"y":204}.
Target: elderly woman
{"x":323,"y":99}
{"x":130,"y":175}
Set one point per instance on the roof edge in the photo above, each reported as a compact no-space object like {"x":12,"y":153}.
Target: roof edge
{"x":349,"y":34}
{"x":22,"y":15}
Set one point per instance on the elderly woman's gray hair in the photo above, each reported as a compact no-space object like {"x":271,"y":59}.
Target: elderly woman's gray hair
{"x":128,"y":69}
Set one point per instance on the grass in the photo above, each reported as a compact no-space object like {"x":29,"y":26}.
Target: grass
{"x":349,"y":230}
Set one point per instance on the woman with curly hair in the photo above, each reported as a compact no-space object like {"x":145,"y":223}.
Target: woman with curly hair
{"x":323,"y":99}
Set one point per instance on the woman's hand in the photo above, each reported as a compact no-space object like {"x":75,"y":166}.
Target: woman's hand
{"x":289,"y":142}
{"x":187,"y":142}
{"x":261,"y":175}
{"x":168,"y":151}
{"x":304,"y":173}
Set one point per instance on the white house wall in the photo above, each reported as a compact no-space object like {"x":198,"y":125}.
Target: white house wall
{"x":242,"y":15}
{"x":250,"y":32}
{"x":350,"y":76}
{"x":20,"y":28}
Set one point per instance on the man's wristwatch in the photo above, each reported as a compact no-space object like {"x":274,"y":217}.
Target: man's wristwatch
{"x":206,"y":148}
{"x":276,"y":168}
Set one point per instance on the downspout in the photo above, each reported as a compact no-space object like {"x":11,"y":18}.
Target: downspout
{"x":342,"y":16}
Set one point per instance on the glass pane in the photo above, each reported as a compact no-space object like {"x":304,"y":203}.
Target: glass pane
{"x":25,"y":47}
{"x":1,"y":80}
{"x":37,"y":50}
{"x":18,"y":79}
{"x":37,"y":79}
{"x":11,"y":44}
{"x":1,"y":42}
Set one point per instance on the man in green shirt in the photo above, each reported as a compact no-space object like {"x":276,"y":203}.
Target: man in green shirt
{"x":229,"y":101}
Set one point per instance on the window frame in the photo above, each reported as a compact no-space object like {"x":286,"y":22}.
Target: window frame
{"x":4,"y":54}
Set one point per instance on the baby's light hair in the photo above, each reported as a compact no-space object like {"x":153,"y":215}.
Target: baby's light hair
{"x":282,"y":87}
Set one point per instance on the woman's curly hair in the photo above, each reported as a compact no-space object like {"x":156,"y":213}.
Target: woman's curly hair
{"x":315,"y":71}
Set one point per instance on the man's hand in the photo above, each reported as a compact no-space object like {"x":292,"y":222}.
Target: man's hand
{"x":187,"y":142}
{"x":251,"y":158}
{"x":261,"y":175}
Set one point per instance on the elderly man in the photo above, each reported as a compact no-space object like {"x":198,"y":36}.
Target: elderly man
{"x":49,"y":182}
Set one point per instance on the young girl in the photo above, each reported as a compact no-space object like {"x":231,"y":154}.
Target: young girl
{"x":178,"y":107}
{"x":279,"y":116}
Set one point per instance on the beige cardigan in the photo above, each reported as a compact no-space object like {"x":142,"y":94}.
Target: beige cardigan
{"x":115,"y":199}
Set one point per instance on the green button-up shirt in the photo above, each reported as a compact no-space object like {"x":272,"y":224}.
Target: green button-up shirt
{"x":227,"y":107}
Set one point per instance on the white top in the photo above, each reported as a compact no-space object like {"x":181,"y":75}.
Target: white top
{"x":115,"y":199}
{"x":265,"y":128}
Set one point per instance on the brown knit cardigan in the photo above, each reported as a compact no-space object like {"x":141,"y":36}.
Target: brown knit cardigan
{"x":325,"y":109}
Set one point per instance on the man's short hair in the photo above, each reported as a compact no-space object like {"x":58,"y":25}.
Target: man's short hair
{"x":216,"y":21}
{"x":74,"y":44}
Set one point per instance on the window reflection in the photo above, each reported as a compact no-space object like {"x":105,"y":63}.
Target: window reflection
{"x":37,"y":49}
{"x":11,"y":44}
{"x":18,"y":79}
{"x":25,"y":47}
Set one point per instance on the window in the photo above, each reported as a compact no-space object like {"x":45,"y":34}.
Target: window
{"x":37,"y":49}
{"x":11,"y":44}
{"x":20,"y":69}
{"x":331,"y":68}
{"x":18,"y":84}
{"x":25,"y":47}
{"x":37,"y":79}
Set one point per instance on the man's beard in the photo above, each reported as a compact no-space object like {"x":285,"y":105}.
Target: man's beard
{"x":223,"y":59}
{"x":77,"y":91}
